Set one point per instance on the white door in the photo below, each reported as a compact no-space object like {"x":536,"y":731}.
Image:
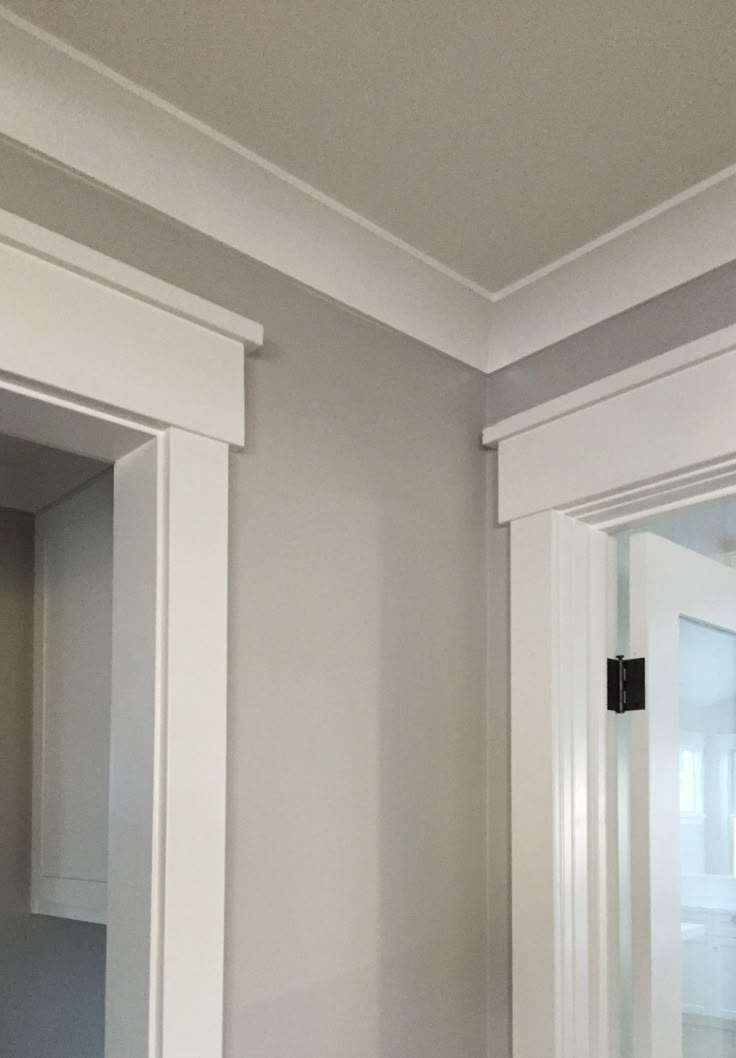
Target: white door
{"x":682,"y":620}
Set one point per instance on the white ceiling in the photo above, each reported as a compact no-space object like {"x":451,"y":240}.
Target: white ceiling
{"x":493,"y":137}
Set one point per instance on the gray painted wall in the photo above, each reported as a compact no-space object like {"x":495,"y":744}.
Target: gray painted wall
{"x":356,"y":878}
{"x":52,"y":972}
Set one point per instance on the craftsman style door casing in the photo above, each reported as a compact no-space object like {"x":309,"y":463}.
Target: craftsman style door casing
{"x":100,"y":359}
{"x":652,"y":438}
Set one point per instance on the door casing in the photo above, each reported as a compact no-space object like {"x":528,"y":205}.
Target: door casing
{"x":100,"y":359}
{"x":654,"y":437}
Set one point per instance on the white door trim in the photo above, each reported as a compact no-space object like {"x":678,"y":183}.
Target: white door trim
{"x":667,"y":363}
{"x":561,"y":925}
{"x":641,"y":442}
{"x":113,"y":367}
{"x":49,"y":245}
{"x":140,"y":346}
{"x":656,"y":434}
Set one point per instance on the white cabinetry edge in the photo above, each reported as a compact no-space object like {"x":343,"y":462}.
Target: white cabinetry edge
{"x":71,"y":711}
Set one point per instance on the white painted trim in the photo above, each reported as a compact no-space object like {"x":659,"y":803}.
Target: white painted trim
{"x":667,"y":440}
{"x":61,"y":104}
{"x":560,"y":881}
{"x":630,"y":504}
{"x":166,"y":959}
{"x":140,"y":346}
{"x":263,"y":163}
{"x":65,"y":909}
{"x":620,"y":230}
{"x":45,"y":418}
{"x":196,"y":728}
{"x":691,"y":235}
{"x":82,"y":375}
{"x":136,"y":896}
{"x":644,"y":442}
{"x":655,"y":367}
{"x":74,"y":894}
{"x":77,"y":112}
{"x":25,"y":235}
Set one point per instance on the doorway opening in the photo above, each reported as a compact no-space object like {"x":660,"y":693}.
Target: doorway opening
{"x":56,"y":561}
{"x":677,"y":868}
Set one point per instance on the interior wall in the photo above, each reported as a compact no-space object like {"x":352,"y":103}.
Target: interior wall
{"x":356,"y":923}
{"x":356,"y":878}
{"x":498,"y":774}
{"x":52,"y":971}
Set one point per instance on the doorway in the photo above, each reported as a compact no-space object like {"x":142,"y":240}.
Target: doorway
{"x":55,"y":653}
{"x":677,"y":609}
{"x":104,"y":361}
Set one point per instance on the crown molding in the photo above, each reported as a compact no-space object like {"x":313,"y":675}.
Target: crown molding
{"x":60,"y":104}
{"x":678,"y":241}
{"x":77,"y":113}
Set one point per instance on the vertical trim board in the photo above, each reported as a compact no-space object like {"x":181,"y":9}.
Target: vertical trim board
{"x":135,"y":907}
{"x":558,"y":583}
{"x":196,"y":739}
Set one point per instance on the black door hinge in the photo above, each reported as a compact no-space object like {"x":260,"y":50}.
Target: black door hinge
{"x":626,"y":684}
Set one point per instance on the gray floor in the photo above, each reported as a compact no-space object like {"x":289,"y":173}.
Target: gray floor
{"x":701,"y":1042}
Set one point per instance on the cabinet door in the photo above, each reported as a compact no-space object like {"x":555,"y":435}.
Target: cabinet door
{"x":71,"y":722}
{"x":725,"y":976}
{"x":698,"y":966}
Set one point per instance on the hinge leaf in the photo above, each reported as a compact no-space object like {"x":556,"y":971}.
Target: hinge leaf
{"x":626,"y":684}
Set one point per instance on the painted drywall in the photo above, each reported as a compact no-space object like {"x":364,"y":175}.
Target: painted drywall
{"x":498,"y":743}
{"x":52,"y":972}
{"x":356,"y":876}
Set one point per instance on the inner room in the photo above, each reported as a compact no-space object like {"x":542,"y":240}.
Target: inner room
{"x":56,"y":551}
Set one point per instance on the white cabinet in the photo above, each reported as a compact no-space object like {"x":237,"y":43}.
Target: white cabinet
{"x":709,"y":967}
{"x":725,"y":977}
{"x":697,"y":981}
{"x":71,"y":716}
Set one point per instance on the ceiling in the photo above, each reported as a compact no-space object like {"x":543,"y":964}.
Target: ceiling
{"x":32,"y":475}
{"x":708,"y":528}
{"x":493,"y":137}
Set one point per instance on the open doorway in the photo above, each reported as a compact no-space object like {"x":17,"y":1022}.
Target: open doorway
{"x":677,"y":602}
{"x":103,"y":361}
{"x":56,"y":540}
